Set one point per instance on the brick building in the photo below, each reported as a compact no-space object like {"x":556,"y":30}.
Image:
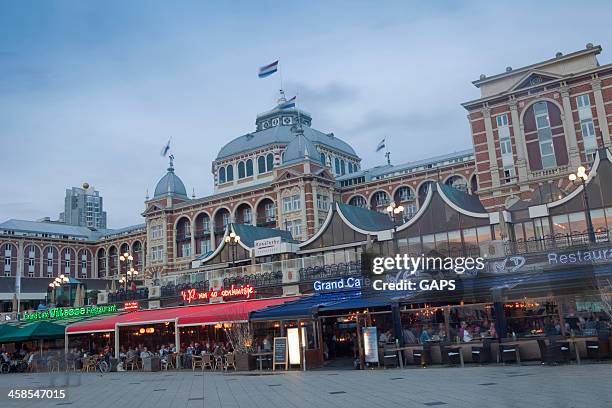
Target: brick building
{"x":531,"y":127}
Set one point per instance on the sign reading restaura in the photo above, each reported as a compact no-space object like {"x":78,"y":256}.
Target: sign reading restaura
{"x":64,"y":312}
{"x":193,"y":294}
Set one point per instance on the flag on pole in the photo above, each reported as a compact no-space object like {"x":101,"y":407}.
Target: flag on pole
{"x":166,"y":148}
{"x":380,"y":146}
{"x":268,"y":70}
{"x":287,"y":104}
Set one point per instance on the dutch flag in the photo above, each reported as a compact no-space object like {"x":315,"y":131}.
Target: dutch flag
{"x":287,"y":104}
{"x":268,"y":69}
{"x":380,"y":146}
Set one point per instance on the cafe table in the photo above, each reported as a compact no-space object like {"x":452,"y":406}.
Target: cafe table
{"x":261,"y":357}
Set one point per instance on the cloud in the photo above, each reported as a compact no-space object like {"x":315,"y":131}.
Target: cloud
{"x":324,"y":96}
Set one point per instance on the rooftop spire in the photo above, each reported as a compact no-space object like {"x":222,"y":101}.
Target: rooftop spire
{"x":171,"y":168}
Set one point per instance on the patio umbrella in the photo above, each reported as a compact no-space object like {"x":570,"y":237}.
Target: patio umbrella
{"x":52,"y":296}
{"x":113,"y":286}
{"x":503,"y":227}
{"x":77,"y":296}
{"x":83,"y":296}
{"x":15,"y":302}
{"x":106,"y":289}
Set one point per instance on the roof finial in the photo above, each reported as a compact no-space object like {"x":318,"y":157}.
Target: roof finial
{"x":193,"y":193}
{"x":147,"y":194}
{"x":281,"y":98}
{"x":171,"y":168}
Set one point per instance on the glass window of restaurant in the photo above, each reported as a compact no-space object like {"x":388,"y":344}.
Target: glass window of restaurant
{"x":470,"y":239}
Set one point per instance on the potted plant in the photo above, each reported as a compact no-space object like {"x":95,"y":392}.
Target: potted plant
{"x":243,"y":342}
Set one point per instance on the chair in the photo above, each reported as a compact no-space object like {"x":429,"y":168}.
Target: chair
{"x":482,"y":354}
{"x":53,"y":365}
{"x":453,"y":353}
{"x":550,"y":353}
{"x":389,"y":357}
{"x":131,"y":362}
{"x":196,"y":361}
{"x":594,"y":349}
{"x":421,"y":356}
{"x":230,"y":361}
{"x":218,"y":362}
{"x":508,"y":353}
{"x":89,"y":363}
{"x":207,"y":361}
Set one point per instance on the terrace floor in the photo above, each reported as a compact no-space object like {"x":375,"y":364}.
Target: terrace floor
{"x":493,"y":386}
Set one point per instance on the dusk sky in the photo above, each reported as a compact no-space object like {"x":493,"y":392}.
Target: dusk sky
{"x":91,"y":91}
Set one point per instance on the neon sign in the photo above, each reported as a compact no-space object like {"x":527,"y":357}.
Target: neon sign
{"x":130,"y":306}
{"x":342,"y":283}
{"x":64,"y":312}
{"x":191,"y":295}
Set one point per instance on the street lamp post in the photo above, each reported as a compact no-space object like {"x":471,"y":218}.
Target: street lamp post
{"x":233,"y":239}
{"x":583,"y":177}
{"x":394,"y":210}
{"x":130,"y":273}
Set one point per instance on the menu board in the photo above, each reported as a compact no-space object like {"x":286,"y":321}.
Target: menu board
{"x":279,"y":355}
{"x":370,"y":344}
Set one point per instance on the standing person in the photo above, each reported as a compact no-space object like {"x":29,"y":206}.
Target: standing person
{"x":267,"y":344}
{"x":425,"y":337}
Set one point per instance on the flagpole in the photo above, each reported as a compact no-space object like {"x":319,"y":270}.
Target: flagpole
{"x":280,"y":75}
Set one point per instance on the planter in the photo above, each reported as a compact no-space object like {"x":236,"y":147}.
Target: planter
{"x":245,"y":362}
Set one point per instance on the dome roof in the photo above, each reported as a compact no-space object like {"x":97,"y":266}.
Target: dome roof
{"x":170,"y":185}
{"x":278,"y":127}
{"x":299,"y":148}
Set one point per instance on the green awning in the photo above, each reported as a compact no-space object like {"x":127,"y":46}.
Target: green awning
{"x":32,"y":331}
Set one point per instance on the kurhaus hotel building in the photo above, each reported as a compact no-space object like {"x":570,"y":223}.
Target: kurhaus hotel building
{"x":294,"y":211}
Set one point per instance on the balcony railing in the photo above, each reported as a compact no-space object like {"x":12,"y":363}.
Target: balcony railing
{"x":122,"y":295}
{"x":559,"y":241}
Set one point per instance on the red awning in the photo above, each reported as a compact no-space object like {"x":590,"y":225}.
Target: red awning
{"x":229,"y":312}
{"x":199,"y":314}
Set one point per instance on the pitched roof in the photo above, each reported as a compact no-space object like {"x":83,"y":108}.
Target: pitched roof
{"x":462,"y":199}
{"x":250,"y":233}
{"x":365,"y":219}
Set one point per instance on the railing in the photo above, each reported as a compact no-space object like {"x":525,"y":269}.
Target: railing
{"x":256,"y":280}
{"x":266,"y":221}
{"x":173,"y":290}
{"x":548,"y":242}
{"x":202,"y":234}
{"x":548,"y":172}
{"x":330,"y":271}
{"x":122,"y":295}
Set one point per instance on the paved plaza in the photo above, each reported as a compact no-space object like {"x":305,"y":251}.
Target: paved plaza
{"x":493,"y":386}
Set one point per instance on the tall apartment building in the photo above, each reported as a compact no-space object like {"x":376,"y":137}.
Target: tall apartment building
{"x":83,"y":207}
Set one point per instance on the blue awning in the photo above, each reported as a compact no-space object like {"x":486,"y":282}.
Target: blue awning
{"x":306,"y":307}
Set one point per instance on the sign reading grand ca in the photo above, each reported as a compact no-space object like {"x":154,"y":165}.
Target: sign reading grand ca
{"x":64,"y":312}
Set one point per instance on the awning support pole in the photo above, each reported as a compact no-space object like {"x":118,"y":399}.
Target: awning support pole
{"x":177,"y":343}
{"x":116,"y":341}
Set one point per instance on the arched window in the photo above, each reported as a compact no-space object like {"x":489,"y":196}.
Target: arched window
{"x":544,"y":136}
{"x":342,"y":170}
{"x":269,"y":162}
{"x":337,"y":165}
{"x":323,"y":160}
{"x":230,"y":172}
{"x":249,"y":168}
{"x":222,"y":175}
{"x":358,"y":201}
{"x":261,"y":164}
{"x":241,"y":170}
{"x":350,"y":167}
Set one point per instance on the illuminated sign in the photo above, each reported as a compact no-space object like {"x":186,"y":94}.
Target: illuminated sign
{"x":343,"y":283}
{"x":64,"y":312}
{"x":370,"y":344}
{"x":191,"y":295}
{"x":130,"y":306}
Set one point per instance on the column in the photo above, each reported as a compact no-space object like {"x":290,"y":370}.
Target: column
{"x":519,"y":142}
{"x":315,"y":191}
{"x":193,"y":241}
{"x":486,"y":113}
{"x":601,"y":113}
{"x":570,"y":130}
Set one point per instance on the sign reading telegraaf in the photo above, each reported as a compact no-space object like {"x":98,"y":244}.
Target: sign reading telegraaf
{"x":268,"y":246}
{"x":64,"y":312}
